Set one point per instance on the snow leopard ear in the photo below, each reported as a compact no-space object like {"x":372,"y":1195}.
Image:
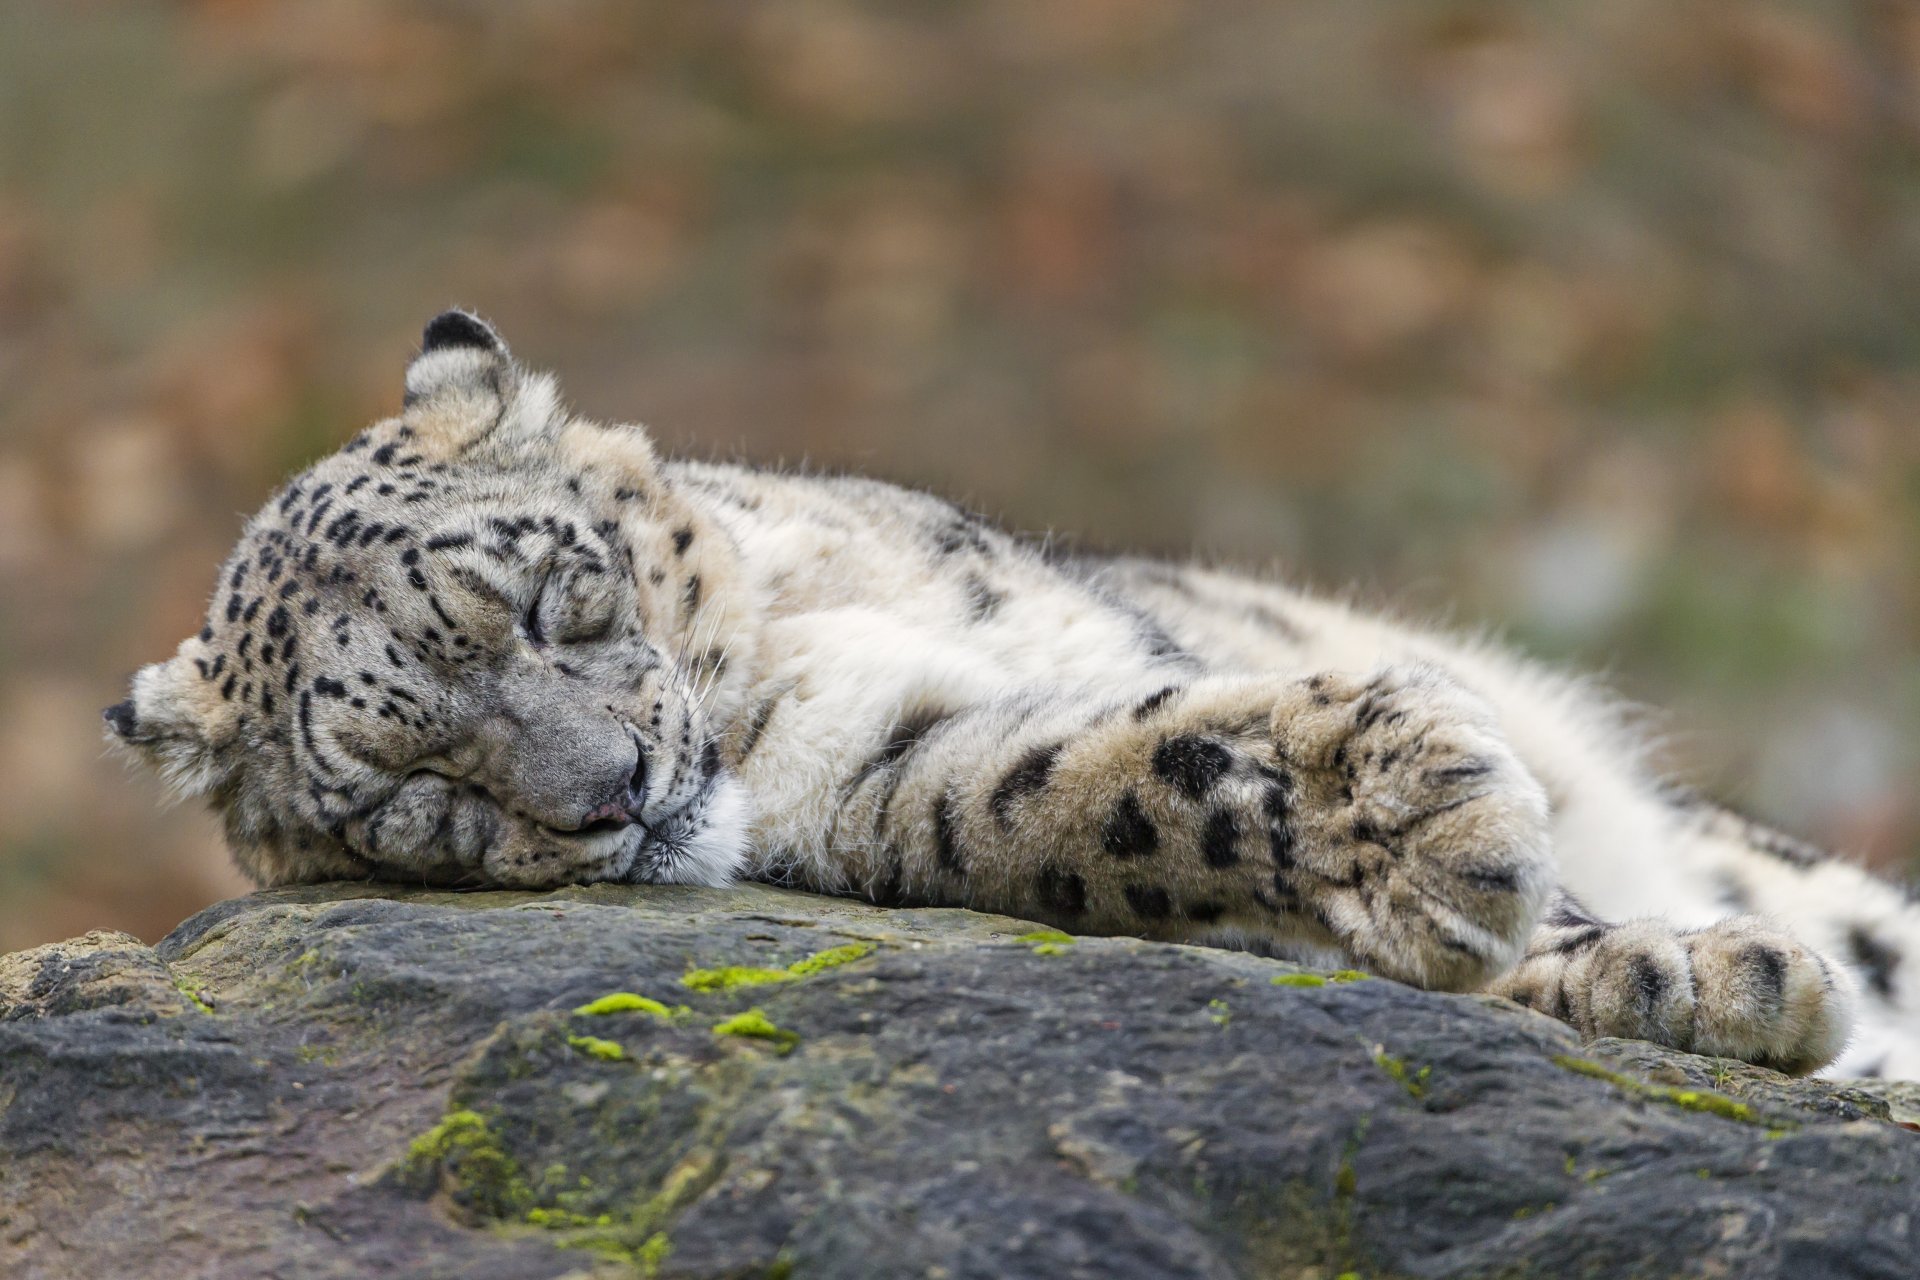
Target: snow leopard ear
{"x":175,"y":720}
{"x":460,"y":354}
{"x":465,"y":386}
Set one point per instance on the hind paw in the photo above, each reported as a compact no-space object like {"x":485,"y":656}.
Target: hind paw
{"x":1738,"y":989}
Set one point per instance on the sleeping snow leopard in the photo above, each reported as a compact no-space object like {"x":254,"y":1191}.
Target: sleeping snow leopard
{"x":490,"y":643}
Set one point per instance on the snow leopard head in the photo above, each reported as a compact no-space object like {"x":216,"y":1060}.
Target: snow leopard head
{"x":480,"y":644}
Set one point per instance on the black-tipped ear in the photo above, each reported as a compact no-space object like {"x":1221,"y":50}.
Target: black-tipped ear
{"x":459,"y":354}
{"x":460,"y":329}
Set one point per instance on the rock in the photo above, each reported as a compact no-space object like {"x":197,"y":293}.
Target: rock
{"x":366,"y":1081}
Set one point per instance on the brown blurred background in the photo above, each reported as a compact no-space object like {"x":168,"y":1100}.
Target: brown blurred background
{"x":1595,"y":322}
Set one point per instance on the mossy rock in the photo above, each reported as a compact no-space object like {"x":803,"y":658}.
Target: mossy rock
{"x":363,"y":1080}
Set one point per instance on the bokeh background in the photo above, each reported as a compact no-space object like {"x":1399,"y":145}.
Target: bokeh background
{"x":1597,"y":323}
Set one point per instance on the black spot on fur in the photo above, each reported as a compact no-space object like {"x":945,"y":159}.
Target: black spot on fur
{"x":1028,"y":775}
{"x":982,"y":600}
{"x":1149,"y":902}
{"x":449,"y":541}
{"x":682,"y":539}
{"x":1567,"y":913}
{"x":757,"y":725}
{"x":1191,"y":765}
{"x":1876,"y":959}
{"x":886,"y":890}
{"x":962,"y":534}
{"x":330,"y":687}
{"x":1276,"y":622}
{"x":1492,"y":879}
{"x":1579,"y":940}
{"x":946,"y":839}
{"x":1151,"y":703}
{"x":1650,"y":984}
{"x":1767,"y":971}
{"x":1061,"y":893}
{"x":902,"y":738}
{"x":1128,"y":832}
{"x":1796,"y":853}
{"x":1220,"y":839}
{"x":1731,"y":892}
{"x":1280,"y":843}
{"x":1454,"y":774}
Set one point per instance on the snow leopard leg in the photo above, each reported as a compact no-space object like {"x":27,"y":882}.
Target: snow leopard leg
{"x":1384,"y":817}
{"x":1739,"y":988}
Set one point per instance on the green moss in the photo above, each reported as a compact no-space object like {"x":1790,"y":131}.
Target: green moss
{"x":831,"y":958}
{"x":755,"y":1025}
{"x":1702,"y":1100}
{"x":781,"y":1268}
{"x":622,"y":1002}
{"x":566,"y":1219}
{"x":1712,"y":1103}
{"x":652,"y":1253}
{"x":595,"y":1047}
{"x":1317,"y":979}
{"x":1044,"y":936}
{"x":1414,"y":1082}
{"x":463,"y":1148}
{"x":1219,"y":1012}
{"x":728,"y":977}
{"x":193,"y":992}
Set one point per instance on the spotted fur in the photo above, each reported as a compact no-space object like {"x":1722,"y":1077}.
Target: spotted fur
{"x":490,"y":643}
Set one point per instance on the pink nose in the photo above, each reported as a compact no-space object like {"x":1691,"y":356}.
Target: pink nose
{"x":614,"y":813}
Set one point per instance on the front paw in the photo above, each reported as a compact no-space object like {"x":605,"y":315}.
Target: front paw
{"x":1417,"y":832}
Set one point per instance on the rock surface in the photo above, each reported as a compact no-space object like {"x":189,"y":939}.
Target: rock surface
{"x":364,"y":1081}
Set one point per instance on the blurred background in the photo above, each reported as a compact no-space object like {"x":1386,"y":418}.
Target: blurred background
{"x":1596,"y":323}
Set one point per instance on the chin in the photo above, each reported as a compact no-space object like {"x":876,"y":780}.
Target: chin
{"x":704,"y":843}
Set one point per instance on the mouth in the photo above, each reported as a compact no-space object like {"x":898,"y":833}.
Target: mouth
{"x":698,"y":840}
{"x":608,"y":817}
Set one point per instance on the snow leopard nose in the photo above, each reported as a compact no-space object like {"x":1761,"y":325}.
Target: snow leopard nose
{"x":624,"y":808}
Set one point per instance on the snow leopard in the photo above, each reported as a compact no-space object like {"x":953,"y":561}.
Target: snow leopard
{"x":489,"y":643}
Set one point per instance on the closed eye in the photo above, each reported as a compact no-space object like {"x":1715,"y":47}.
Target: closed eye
{"x":557,"y":617}
{"x":530,"y":624}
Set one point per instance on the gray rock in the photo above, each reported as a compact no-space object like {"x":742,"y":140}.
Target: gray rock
{"x":369,"y":1081}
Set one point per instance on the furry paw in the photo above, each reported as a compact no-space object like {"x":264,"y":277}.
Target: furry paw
{"x":1739,"y":989}
{"x":1415,"y":835}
